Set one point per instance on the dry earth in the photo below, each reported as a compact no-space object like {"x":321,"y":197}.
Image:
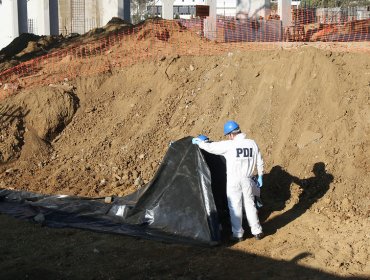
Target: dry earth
{"x":308,"y":110}
{"x":28,"y":46}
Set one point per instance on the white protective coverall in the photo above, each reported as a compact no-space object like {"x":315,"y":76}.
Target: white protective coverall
{"x":242,"y":155}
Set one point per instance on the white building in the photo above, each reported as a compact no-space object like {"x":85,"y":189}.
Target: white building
{"x":52,"y":17}
{"x":39,"y":18}
{"x":186,"y":8}
{"x":80,"y":16}
{"x":13,"y":21}
{"x":294,"y":3}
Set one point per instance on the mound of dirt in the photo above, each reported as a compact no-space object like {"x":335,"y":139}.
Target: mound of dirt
{"x":49,"y":110}
{"x":306,"y":108}
{"x":125,"y":125}
{"x":117,"y":20}
{"x":116,"y":24}
{"x":28,"y":46}
{"x":160,"y":29}
{"x":42,"y":114}
{"x":17,"y":45}
{"x":25,"y":47}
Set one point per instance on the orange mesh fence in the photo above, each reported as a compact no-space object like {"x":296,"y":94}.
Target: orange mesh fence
{"x":158,"y":38}
{"x":328,"y":25}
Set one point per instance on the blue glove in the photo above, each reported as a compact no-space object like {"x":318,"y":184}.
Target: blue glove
{"x":259,"y":180}
{"x":196,"y":141}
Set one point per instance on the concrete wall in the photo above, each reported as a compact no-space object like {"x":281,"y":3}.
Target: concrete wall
{"x":97,"y":13}
{"x":64,"y":16}
{"x":113,"y":8}
{"x":42,"y":17}
{"x":92,"y":15}
{"x":285,"y":12}
{"x":210,"y":27}
{"x":252,"y":8}
{"x":226,"y":8}
{"x":78,"y":16}
{"x":9,"y":22}
{"x":167,"y":9}
{"x":39,"y":17}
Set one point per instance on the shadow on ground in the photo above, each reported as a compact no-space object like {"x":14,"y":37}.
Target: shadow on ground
{"x":29,"y":251}
{"x":276,"y":192}
{"x":9,"y":113}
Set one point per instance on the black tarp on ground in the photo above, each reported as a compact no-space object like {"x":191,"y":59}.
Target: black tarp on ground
{"x":178,"y":205}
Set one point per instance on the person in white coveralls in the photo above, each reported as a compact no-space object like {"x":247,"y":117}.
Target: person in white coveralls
{"x":242,"y":156}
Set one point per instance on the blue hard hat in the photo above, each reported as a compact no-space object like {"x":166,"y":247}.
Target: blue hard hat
{"x":203,"y":137}
{"x":230,"y":126}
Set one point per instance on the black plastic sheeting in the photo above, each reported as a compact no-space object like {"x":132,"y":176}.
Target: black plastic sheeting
{"x":183,"y":202}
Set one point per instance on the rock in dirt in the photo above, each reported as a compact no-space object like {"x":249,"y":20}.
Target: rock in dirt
{"x":102,"y":183}
{"x":116,"y":177}
{"x":39,"y":218}
{"x":139,"y":181}
{"x":308,"y":137}
{"x":9,"y":171}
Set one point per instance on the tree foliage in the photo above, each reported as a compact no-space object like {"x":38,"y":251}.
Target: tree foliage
{"x":139,"y":10}
{"x":334,"y":3}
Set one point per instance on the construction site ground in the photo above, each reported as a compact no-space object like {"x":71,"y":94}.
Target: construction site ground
{"x":101,"y":135}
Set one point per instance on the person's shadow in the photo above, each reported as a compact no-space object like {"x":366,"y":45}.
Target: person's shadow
{"x":276,"y":193}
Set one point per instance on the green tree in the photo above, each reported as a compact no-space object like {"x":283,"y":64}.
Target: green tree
{"x":139,"y":10}
{"x":335,"y":3}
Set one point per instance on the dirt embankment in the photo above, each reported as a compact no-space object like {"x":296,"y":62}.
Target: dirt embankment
{"x":307,"y":109}
{"x":28,"y":45}
{"x":302,"y":107}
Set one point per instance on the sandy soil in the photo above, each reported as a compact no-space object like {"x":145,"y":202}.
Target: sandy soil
{"x":308,"y":109}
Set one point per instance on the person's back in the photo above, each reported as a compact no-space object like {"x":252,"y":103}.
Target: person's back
{"x":242,"y":155}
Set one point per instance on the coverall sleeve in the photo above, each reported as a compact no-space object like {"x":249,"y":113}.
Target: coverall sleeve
{"x":217,"y":148}
{"x":259,"y":162}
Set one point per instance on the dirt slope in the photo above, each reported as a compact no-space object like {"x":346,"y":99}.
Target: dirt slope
{"x":307,"y":109}
{"x":28,"y":46}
